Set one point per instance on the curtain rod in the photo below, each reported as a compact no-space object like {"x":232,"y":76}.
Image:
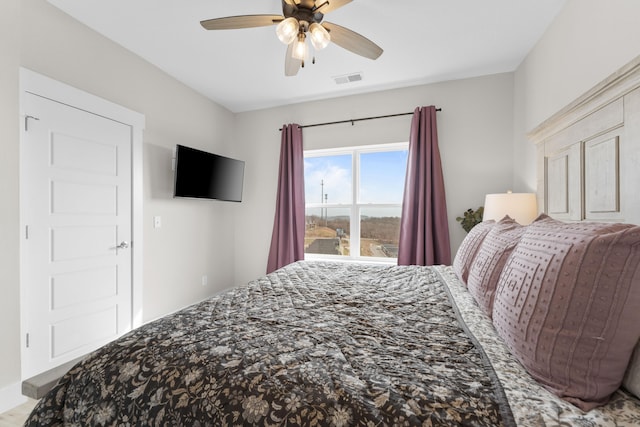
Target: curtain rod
{"x":352,"y":121}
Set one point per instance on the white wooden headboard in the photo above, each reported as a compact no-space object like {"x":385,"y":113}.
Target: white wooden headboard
{"x":588,"y":161}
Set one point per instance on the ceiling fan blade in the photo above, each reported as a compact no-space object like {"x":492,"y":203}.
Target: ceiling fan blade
{"x":244,"y":21}
{"x":352,"y":41}
{"x":291,"y":64}
{"x":326,"y":6}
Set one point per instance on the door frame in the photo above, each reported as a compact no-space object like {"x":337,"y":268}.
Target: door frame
{"x":40,"y":85}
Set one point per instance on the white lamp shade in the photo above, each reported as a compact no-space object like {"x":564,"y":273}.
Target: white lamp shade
{"x":300,"y":48}
{"x":320,"y":37}
{"x":287,"y":30}
{"x":522,"y":207}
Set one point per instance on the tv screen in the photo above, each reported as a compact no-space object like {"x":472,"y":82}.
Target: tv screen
{"x":204,"y":175}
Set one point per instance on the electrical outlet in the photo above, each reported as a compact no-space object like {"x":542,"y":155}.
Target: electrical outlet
{"x":204,"y":280}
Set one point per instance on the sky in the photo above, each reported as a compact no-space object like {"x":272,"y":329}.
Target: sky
{"x":382,"y":177}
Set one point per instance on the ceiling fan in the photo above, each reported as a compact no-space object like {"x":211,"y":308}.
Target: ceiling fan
{"x":302,"y":19}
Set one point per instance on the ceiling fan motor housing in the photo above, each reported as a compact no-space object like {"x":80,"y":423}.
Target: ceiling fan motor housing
{"x":302,"y":13}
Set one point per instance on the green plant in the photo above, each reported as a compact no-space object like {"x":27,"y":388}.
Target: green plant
{"x":471,"y":218}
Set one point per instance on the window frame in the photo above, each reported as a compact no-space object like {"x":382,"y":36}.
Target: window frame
{"x":356,"y":206}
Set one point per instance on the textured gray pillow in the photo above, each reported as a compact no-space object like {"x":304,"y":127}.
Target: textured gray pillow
{"x":568,"y":306}
{"x":491,"y":257}
{"x":469,"y":248}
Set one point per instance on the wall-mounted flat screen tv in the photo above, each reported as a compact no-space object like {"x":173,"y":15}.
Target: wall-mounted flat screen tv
{"x":204,"y":175}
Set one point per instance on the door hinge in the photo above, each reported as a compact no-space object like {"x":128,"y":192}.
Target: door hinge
{"x":26,"y":232}
{"x":26,"y":121}
{"x":27,"y":340}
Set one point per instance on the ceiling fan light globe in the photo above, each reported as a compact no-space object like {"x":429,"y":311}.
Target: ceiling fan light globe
{"x":287,"y":30}
{"x":320,"y":37}
{"x":300,"y":48}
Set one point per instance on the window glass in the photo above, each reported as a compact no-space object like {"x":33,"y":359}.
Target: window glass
{"x":379,"y":231}
{"x":327,"y":231}
{"x":328,"y":179}
{"x":354,"y":218}
{"x":382,"y":176}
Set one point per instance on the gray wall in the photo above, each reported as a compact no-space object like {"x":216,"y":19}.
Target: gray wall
{"x":9,"y":194}
{"x":474,"y":129}
{"x":196,"y":237}
{"x":588,"y":40}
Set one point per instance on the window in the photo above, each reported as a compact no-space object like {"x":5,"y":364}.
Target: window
{"x":354,"y":201}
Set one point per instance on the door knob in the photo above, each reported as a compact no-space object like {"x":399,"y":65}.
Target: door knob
{"x":123,"y":245}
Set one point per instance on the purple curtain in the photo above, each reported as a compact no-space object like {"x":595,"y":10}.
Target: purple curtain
{"x":287,"y":239}
{"x":424,"y":228}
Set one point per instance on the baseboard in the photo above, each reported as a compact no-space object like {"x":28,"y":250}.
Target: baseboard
{"x":11,"y":396}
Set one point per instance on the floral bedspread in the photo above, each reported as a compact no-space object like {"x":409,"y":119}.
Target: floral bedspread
{"x":313,"y":344}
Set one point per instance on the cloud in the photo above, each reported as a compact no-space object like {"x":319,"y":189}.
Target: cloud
{"x":324,"y":176}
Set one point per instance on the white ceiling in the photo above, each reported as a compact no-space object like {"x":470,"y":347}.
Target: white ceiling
{"x":424,"y":41}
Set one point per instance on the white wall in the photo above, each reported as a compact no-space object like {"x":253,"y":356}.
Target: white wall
{"x":588,"y":40}
{"x":196,"y":236}
{"x":9,"y":196}
{"x":474,"y":128}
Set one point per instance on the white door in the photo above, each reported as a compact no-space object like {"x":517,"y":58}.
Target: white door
{"x":76,"y":207}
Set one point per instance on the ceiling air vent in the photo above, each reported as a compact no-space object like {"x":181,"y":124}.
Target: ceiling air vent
{"x":348,"y":78}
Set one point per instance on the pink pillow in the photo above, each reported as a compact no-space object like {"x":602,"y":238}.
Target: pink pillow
{"x":469,"y":248}
{"x":491,"y":257}
{"x":568,"y":306}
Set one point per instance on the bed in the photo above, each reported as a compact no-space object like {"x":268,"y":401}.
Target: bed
{"x":319,"y":343}
{"x":531,"y":326}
